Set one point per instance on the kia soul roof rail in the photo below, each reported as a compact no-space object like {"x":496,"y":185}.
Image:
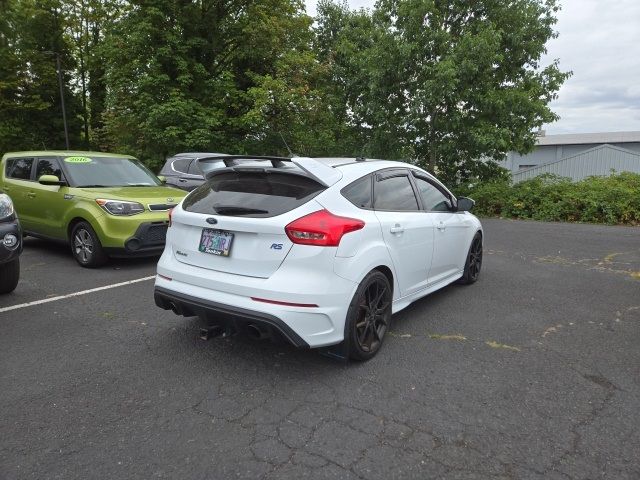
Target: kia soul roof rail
{"x":320,"y":172}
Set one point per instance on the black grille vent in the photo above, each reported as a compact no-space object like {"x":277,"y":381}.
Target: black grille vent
{"x":161,"y":207}
{"x":155,"y":234}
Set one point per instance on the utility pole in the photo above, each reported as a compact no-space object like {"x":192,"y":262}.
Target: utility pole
{"x":64,"y":112}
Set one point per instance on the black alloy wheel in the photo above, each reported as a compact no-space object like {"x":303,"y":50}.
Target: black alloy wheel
{"x":369,"y":316}
{"x":474,"y":261}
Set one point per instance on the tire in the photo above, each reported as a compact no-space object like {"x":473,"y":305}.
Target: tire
{"x":473,"y":264}
{"x":9,"y":275}
{"x":86,"y":247}
{"x":365,"y":333}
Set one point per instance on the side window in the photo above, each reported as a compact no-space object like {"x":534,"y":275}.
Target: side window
{"x":193,"y":168}
{"x":19,"y":168}
{"x":181,"y":165}
{"x":49,"y":166}
{"x":432,"y":198}
{"x":395,"y":193}
{"x":359,"y":192}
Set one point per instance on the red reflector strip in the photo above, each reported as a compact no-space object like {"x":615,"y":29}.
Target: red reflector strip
{"x":165,"y":277}
{"x":286,"y":304}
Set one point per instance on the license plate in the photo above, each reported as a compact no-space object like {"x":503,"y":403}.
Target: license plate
{"x":215,"y":242}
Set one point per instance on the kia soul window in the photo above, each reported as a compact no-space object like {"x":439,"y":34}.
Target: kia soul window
{"x":48,"y":166}
{"x":19,"y":168}
{"x":252,"y":194}
{"x":108,"y":172}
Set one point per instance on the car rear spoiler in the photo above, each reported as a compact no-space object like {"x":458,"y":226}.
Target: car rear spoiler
{"x":320,"y":172}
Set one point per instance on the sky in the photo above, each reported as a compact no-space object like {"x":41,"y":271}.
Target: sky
{"x":599,"y":40}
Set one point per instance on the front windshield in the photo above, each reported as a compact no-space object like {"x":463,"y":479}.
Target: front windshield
{"x":108,"y":172}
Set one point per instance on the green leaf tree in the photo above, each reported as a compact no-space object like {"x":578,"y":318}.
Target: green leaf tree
{"x":87,"y":22}
{"x":456,"y":84}
{"x":32,"y":33}
{"x":179,"y":74}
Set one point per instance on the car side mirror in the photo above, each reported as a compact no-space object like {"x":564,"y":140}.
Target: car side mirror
{"x":162,"y":179}
{"x":51,"y":180}
{"x":465,"y":204}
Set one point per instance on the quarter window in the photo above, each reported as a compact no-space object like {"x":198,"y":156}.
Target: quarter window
{"x":433,"y":199}
{"x":182,"y":165}
{"x":359,"y":192}
{"x":19,"y":168}
{"x":395,"y":193}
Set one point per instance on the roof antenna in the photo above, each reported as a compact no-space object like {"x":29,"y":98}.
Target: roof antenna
{"x":285,"y":144}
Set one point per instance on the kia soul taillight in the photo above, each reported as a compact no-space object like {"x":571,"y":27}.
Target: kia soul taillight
{"x":321,"y":228}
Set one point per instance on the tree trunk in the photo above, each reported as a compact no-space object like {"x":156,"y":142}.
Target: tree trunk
{"x":432,"y":144}
{"x":432,"y":160}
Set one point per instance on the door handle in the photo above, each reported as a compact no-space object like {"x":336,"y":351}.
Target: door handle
{"x":397,"y":228}
{"x":441,"y":226}
{"x":182,"y":180}
{"x":31,"y":195}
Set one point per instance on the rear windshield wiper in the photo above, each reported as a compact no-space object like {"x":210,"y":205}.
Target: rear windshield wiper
{"x":228,"y":210}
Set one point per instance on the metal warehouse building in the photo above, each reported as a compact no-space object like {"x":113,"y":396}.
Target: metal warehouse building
{"x":578,"y":155}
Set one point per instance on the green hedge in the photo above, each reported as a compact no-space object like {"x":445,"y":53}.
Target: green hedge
{"x":611,"y":200}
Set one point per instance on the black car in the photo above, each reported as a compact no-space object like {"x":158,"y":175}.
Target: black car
{"x":10,"y":245}
{"x":181,"y":170}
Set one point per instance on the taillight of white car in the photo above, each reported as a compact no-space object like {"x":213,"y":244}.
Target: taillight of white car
{"x":321,"y":228}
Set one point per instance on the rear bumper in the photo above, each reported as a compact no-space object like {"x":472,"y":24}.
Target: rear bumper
{"x":296,"y":282}
{"x":224,"y":315}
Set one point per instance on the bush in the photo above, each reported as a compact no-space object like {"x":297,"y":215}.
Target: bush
{"x":611,"y":200}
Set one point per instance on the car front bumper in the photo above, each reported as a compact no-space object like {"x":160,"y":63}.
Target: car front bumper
{"x":7,"y":229}
{"x":148,"y":239}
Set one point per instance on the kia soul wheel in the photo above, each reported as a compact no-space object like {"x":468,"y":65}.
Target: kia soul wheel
{"x":369,"y":316}
{"x":86,"y":247}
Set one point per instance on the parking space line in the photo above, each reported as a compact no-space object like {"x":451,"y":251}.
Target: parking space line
{"x":75,"y":294}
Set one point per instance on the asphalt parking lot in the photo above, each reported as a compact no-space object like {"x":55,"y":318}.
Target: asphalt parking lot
{"x":533,"y":372}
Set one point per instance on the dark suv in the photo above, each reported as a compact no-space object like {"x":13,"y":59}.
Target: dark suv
{"x":182,"y":170}
{"x":10,"y":245}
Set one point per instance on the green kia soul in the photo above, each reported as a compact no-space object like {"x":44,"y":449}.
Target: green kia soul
{"x":100,"y":203}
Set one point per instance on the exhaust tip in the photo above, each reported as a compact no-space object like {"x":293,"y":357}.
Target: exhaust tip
{"x":174,"y":308}
{"x":257,"y":332}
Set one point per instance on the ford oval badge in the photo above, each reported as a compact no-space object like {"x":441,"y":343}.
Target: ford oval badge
{"x":211,"y":221}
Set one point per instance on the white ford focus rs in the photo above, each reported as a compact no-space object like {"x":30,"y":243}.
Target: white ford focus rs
{"x":319,"y":251}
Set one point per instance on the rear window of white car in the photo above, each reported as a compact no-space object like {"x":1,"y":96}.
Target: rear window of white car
{"x":252,"y":194}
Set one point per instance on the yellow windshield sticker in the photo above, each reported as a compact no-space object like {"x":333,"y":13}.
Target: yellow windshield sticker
{"x":77,"y":160}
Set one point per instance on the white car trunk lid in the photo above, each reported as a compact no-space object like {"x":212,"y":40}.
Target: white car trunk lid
{"x":258,"y":247}
{"x":254,"y":205}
